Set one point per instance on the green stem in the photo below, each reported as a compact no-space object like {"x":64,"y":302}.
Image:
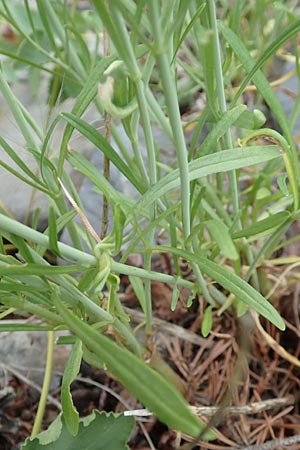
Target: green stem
{"x":125,"y":48}
{"x":106,"y":160}
{"x":46,"y":385}
{"x":146,"y":124}
{"x":223,"y":108}
{"x":199,"y":277}
{"x":115,"y":134}
{"x":171,"y":99}
{"x":147,"y":129}
{"x":9,"y":225}
{"x":221,"y":97}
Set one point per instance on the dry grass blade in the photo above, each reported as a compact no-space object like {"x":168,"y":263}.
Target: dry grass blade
{"x":273,"y":344}
{"x":83,"y":218}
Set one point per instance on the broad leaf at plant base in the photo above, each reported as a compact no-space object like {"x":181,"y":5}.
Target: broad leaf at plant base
{"x":98,"y":431}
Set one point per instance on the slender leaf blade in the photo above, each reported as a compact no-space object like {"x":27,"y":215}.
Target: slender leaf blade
{"x":154,"y":392}
{"x":71,"y":371}
{"x":262,"y":226}
{"x":231,"y":282}
{"x":224,"y":161}
{"x":221,"y":236}
{"x":83,"y":100}
{"x":101,"y":143}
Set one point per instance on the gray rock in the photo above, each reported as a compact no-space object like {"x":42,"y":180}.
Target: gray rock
{"x":287,"y":93}
{"x":16,"y":197}
{"x":26,"y":352}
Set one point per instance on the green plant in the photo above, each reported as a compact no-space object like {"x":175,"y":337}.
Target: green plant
{"x":100,"y":430}
{"x":224,"y":230}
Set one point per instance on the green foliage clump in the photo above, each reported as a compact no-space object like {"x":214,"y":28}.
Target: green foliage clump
{"x":221,"y":217}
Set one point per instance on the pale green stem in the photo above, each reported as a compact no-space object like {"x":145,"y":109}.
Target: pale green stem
{"x":200,"y":279}
{"x":158,"y":113}
{"x":143,"y":108}
{"x":221,"y":98}
{"x":116,"y":27}
{"x":106,"y":161}
{"x":134,"y":70}
{"x":29,"y":119}
{"x":115,"y":134}
{"x":223,"y":108}
{"x":7,"y":313}
{"x":31,"y":21}
{"x":73,"y":8}
{"x":46,"y":385}
{"x":138,"y":156}
{"x":150,"y":275}
{"x":122,"y":41}
{"x":171,"y":99}
{"x":9,"y":225}
{"x":294,"y":117}
{"x":61,"y":205}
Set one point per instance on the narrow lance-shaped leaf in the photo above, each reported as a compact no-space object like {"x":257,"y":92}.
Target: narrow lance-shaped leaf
{"x":175,"y":297}
{"x":263,"y":225}
{"x":231,"y":282}
{"x":188,"y":28}
{"x":206,"y":165}
{"x":53,"y":231}
{"x":85,"y":97}
{"x":221,"y":236}
{"x":139,"y":290}
{"x":20,"y":163}
{"x":71,"y":371}
{"x":101,"y":143}
{"x":37,"y":269}
{"x":207,"y":321}
{"x":220,"y":128}
{"x":147,"y":385}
